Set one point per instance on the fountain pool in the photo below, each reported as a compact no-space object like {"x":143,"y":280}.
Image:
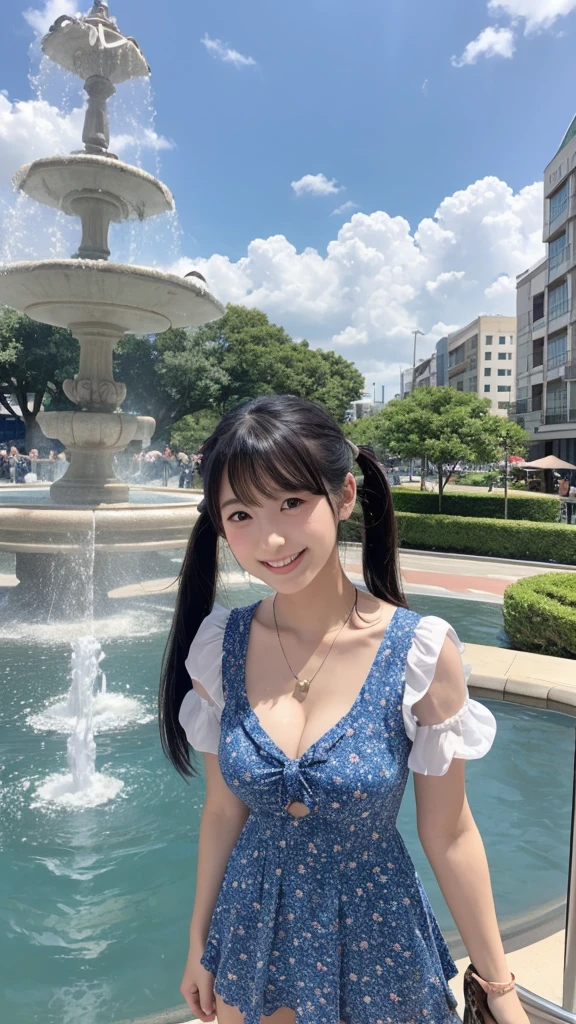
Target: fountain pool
{"x":95,"y":902}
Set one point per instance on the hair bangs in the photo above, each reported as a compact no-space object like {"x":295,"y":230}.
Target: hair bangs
{"x":262,"y":466}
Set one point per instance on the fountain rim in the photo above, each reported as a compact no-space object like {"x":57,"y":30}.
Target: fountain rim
{"x":96,"y":162}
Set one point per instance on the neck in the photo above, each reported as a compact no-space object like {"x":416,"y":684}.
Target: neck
{"x":321,"y":606}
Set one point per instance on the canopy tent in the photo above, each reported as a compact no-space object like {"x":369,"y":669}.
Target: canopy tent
{"x":548,"y":462}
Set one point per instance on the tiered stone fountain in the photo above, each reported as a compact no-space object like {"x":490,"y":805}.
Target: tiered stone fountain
{"x":98,"y":301}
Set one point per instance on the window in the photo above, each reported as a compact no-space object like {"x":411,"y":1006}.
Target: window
{"x":504,"y":387}
{"x":557,"y":245}
{"x":488,"y":371}
{"x":503,"y":355}
{"x":509,"y":355}
{"x":486,"y":388}
{"x":473,"y":342}
{"x":558,"y":301}
{"x":473,"y":384}
{"x":489,"y":339}
{"x":501,"y":340}
{"x":508,"y":373}
{"x":502,"y":373}
{"x":558,"y":202}
{"x":488,"y":355}
{"x":503,"y":405}
{"x":460,"y":385}
{"x":457,"y":355}
{"x":511,"y":339}
{"x":557,"y":350}
{"x":537,"y":307}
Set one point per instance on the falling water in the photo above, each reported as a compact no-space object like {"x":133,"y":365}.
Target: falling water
{"x":82,"y":786}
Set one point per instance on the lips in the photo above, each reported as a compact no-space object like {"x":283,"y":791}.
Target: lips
{"x":293,"y":560}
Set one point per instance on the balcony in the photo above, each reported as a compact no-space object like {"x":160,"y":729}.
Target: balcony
{"x":570,"y":372}
{"x":559,"y":263}
{"x":557,"y":409}
{"x":527,"y":325}
{"x":560,"y":309}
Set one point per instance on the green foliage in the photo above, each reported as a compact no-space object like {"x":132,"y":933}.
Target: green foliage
{"x":489,"y":506}
{"x":190,"y":432}
{"x":259,"y":358}
{"x":497,"y":538}
{"x":445,"y":426}
{"x":169,"y":375}
{"x":35,"y":359}
{"x":540,"y":614}
{"x":480,"y":479}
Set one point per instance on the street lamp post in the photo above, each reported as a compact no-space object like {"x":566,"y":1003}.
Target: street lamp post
{"x":415,"y":332}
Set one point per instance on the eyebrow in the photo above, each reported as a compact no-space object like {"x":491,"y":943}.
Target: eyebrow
{"x":231,"y":501}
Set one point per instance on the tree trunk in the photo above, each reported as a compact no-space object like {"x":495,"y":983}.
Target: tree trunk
{"x":440,"y":486}
{"x":424,"y":460}
{"x":34,"y":436}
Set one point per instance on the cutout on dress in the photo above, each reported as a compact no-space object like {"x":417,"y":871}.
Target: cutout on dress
{"x":298,"y":810}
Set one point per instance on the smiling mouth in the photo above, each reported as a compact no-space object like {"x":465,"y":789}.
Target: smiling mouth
{"x":284,"y":562}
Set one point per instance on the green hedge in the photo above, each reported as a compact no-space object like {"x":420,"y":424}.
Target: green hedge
{"x":485,"y":506}
{"x":540,"y":614}
{"x":539,"y":542}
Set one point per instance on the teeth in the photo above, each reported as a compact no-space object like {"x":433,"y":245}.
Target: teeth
{"x":278,"y":565}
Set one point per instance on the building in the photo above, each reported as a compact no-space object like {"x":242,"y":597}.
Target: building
{"x":365,"y":406}
{"x":546,"y":307}
{"x":482,"y":360}
{"x":423,"y":374}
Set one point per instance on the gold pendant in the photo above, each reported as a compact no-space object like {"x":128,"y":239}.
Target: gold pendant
{"x":303,"y":686}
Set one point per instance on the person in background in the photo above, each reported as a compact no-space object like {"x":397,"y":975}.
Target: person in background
{"x":4,"y":465}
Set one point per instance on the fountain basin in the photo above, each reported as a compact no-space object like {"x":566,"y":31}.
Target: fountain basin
{"x":59,"y":548}
{"x":129,"y":298}
{"x":58,"y":181}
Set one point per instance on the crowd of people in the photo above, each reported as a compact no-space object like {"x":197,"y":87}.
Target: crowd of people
{"x":151,"y":466}
{"x":17,"y":467}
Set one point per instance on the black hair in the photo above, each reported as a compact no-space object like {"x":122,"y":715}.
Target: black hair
{"x":269,"y":444}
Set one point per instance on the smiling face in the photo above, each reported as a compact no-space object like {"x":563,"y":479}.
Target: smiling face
{"x":287,"y":539}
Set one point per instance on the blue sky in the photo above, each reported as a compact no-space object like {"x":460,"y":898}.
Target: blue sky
{"x":366,"y":94}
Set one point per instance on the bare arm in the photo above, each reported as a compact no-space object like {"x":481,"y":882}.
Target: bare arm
{"x":453,"y":844}
{"x":223,"y":819}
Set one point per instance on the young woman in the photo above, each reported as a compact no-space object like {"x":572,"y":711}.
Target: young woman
{"x":310,"y":707}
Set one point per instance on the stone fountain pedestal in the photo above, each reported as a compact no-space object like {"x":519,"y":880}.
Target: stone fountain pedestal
{"x":98,"y":300}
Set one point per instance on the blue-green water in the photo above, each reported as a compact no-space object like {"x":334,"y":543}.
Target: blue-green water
{"x":95,"y":904}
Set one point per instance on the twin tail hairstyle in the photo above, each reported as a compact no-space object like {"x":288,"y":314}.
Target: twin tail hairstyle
{"x":271,"y":444}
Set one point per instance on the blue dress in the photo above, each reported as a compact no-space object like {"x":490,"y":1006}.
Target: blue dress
{"x":325,"y":914}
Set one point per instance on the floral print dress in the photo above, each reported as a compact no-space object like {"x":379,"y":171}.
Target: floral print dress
{"x":325,"y":914}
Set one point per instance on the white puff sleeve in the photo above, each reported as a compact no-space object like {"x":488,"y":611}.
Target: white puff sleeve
{"x":199,"y":715}
{"x":469,"y":734}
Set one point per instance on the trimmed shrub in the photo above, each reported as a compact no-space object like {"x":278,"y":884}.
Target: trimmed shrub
{"x":540,"y":614}
{"x":538,"y":542}
{"x":484,"y":506}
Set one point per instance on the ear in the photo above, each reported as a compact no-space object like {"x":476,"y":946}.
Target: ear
{"x":348,"y":498}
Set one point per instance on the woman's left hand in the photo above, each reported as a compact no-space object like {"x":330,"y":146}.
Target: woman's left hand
{"x":507,"y":1009}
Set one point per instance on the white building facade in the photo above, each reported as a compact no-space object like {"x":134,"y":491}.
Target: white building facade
{"x":546,"y":308}
{"x":482,"y":360}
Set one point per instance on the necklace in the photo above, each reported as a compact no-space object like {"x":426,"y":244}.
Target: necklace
{"x":304,"y":684}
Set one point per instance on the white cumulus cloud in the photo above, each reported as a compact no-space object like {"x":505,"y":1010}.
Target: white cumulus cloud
{"x":40,"y":19}
{"x":492,"y":42}
{"x":536,"y":14}
{"x":224,"y":52}
{"x":316,"y":185}
{"x":378,"y":276}
{"x":345,"y":208}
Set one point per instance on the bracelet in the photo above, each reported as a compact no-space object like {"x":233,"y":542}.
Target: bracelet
{"x":497,"y":988}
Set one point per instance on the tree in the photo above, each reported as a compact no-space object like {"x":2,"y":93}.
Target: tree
{"x":169,"y":375}
{"x":190,"y":432}
{"x":259,"y":357}
{"x":444,"y":425}
{"x":35,"y":360}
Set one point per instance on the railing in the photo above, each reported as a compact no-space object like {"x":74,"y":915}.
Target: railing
{"x":526,"y":323}
{"x":560,"y":257}
{"x":557,"y":360}
{"x":522,"y":406}
{"x":556,"y":412}
{"x":558,"y":310}
{"x":570,"y":371}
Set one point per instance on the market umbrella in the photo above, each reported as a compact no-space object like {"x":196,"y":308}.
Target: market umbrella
{"x":548,"y":462}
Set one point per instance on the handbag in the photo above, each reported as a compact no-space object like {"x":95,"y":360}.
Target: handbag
{"x":476,"y":1009}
